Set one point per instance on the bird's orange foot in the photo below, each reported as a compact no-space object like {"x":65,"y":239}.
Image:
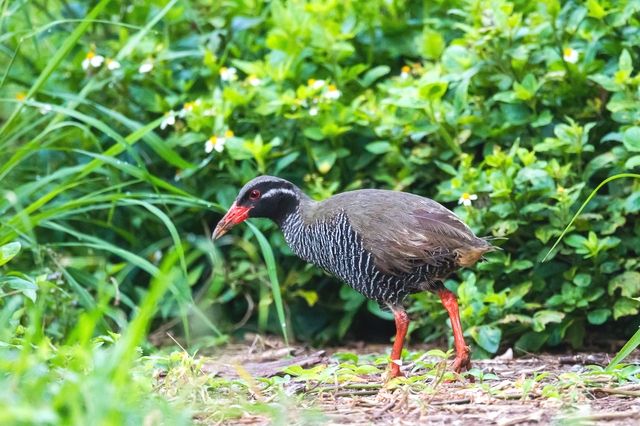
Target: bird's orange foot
{"x":462,"y":361}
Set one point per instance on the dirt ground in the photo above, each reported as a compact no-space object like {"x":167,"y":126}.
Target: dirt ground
{"x":536,"y":389}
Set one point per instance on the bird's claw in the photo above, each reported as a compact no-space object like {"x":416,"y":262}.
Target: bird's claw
{"x":395,"y":371}
{"x":462,"y":361}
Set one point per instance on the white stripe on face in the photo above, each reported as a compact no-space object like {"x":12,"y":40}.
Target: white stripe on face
{"x":275,"y":191}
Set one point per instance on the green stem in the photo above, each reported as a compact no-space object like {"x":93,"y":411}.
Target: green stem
{"x":593,"y":193}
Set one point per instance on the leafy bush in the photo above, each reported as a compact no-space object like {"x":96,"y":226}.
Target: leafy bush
{"x":115,"y":148}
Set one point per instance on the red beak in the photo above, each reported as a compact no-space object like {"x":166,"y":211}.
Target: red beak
{"x":235,"y":215}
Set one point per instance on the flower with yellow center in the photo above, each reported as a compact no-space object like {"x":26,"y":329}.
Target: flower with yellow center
{"x":112,"y":64}
{"x":405,"y":72}
{"x":228,"y":74}
{"x":570,"y":55}
{"x":188,"y":107}
{"x":146,"y":67}
{"x":466,"y":198}
{"x":169,"y":120}
{"x":92,"y":60}
{"x":214,"y":143}
{"x":254,"y":81}
{"x":315,"y":84}
{"x":21,"y":96}
{"x":332,"y":92}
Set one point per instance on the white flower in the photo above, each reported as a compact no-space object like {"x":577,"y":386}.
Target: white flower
{"x":146,"y":67}
{"x":405,"y":72}
{"x":169,"y":120}
{"x":254,"y":81}
{"x":313,"y":111}
{"x":214,"y":142}
{"x":187,"y":108}
{"x":570,"y":55}
{"x":332,"y":92}
{"x":217,"y":142}
{"x":467,"y":198}
{"x":92,"y":60}
{"x":45,"y":109}
{"x":156,"y":257}
{"x":228,"y":74}
{"x":315,"y":84}
{"x":112,"y":64}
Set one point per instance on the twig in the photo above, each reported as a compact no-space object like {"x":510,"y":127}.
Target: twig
{"x":358,"y":393}
{"x":631,"y":414}
{"x":354,"y":386}
{"x":384,"y":409}
{"x":452,"y":402}
{"x":533,"y":417}
{"x":616,"y":391}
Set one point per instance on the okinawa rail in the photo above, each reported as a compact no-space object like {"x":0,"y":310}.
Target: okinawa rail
{"x":385,"y":244}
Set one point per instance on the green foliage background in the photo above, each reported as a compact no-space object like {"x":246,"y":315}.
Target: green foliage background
{"x":107,"y":183}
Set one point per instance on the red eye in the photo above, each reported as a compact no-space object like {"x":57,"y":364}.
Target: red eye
{"x":254,"y":194}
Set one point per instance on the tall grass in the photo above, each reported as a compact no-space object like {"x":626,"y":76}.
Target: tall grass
{"x":71,"y":355}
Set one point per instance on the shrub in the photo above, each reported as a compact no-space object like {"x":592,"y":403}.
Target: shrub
{"x":526,"y":105}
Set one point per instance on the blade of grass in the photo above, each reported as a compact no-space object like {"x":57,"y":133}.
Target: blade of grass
{"x":593,"y":193}
{"x":100,"y":244}
{"x":125,"y":350}
{"x":270,"y":262}
{"x":628,"y":347}
{"x":57,"y":58}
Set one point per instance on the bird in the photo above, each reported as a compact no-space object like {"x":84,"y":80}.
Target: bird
{"x":385,"y":244}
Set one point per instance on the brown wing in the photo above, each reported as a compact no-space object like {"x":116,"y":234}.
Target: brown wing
{"x":403,"y":231}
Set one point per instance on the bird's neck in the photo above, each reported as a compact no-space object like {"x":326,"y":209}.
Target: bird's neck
{"x":293,"y":209}
{"x":293,"y":219}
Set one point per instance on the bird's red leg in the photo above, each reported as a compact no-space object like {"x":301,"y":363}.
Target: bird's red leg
{"x":402,"y":324}
{"x":463,"y":353}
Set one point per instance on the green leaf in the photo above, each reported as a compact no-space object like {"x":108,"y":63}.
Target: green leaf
{"x":598,"y":316}
{"x":631,"y":139}
{"x":632,"y":162}
{"x":487,"y":337}
{"x":432,"y":44}
{"x":628,"y":282}
{"x":632,"y":203}
{"x":624,"y":63}
{"x":595,"y":9}
{"x":379,"y":147}
{"x":313,"y":133}
{"x":9,"y":251}
{"x":373,"y":74}
{"x":531,"y":341}
{"x":433,"y":91}
{"x":23,"y":285}
{"x":374,"y":308}
{"x":625,"y":307}
{"x":542,"y":318}
{"x":527,"y":89}
{"x":582,"y":280}
{"x":575,"y":241}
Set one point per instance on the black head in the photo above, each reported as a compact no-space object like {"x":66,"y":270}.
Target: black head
{"x":264,"y":196}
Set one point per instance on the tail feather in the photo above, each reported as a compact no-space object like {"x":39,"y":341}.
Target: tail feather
{"x":468,"y":256}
